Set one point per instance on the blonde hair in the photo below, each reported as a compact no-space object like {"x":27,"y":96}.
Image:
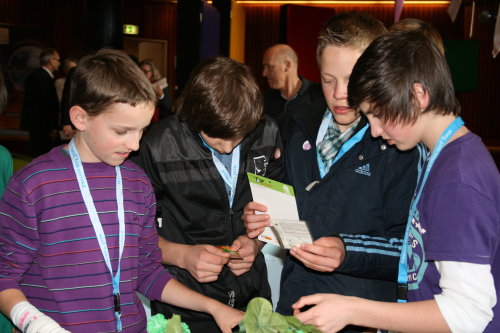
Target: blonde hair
{"x":425,"y":28}
{"x":349,"y":29}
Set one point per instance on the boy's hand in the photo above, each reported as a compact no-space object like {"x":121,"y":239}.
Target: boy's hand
{"x":325,"y":254}
{"x":226,"y":317}
{"x":255,"y":223}
{"x":205,"y":262}
{"x":248,"y":250}
{"x":330,"y":312}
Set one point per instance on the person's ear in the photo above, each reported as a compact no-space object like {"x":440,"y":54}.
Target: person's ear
{"x":422,"y":95}
{"x":288,"y":64}
{"x":78,"y":117}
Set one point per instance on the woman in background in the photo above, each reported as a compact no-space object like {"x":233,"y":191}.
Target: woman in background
{"x":153,"y":74}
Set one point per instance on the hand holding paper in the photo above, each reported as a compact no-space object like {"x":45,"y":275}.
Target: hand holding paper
{"x":255,"y":219}
{"x":326,"y":254}
{"x":285,"y":229}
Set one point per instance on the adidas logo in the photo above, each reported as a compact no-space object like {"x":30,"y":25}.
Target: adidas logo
{"x":364,"y":170}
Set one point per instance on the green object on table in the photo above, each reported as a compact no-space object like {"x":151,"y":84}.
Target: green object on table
{"x":260,"y":318}
{"x":158,"y":324}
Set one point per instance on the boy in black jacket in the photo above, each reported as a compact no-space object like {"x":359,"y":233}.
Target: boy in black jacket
{"x":197,"y":161}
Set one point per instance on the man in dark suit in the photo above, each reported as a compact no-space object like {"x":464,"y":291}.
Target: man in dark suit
{"x":40,"y":114}
{"x":289,"y":92}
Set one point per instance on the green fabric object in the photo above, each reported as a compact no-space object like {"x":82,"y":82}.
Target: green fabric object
{"x":158,"y":324}
{"x":5,"y":324}
{"x":6,"y":169}
{"x":260,"y":318}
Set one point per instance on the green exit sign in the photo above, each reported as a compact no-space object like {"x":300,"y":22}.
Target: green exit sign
{"x":130,"y":29}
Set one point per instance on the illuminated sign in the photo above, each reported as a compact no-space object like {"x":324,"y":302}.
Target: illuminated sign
{"x":130,"y":29}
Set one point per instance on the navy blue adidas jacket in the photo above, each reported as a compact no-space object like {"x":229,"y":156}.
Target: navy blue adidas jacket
{"x":364,"y":199}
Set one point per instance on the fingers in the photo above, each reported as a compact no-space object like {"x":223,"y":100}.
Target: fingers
{"x":238,"y":267}
{"x":252,"y":207}
{"x":255,"y":223}
{"x":206,"y":262}
{"x":315,"y":258}
{"x":306,"y":300}
{"x":255,"y":232}
{"x":214,"y":256}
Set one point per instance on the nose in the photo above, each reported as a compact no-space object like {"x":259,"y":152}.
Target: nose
{"x":340,"y":91}
{"x":375,"y":129}
{"x":226,"y":147}
{"x":133,"y":142}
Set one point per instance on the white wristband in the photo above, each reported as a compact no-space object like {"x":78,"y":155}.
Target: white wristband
{"x":30,"y":320}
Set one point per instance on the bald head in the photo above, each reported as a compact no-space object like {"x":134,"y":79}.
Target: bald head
{"x":280,"y":65}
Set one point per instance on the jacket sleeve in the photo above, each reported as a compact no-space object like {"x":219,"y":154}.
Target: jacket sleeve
{"x":377,"y":256}
{"x":152,"y":275}
{"x":276,"y":162}
{"x":165,"y":104}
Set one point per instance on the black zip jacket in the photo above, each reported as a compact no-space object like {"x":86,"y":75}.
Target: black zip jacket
{"x":364,"y":199}
{"x":193,"y":204}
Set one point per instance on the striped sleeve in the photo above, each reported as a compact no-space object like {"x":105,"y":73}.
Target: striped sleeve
{"x":19,"y":239}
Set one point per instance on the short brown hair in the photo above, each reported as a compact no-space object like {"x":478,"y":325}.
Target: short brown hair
{"x":221,"y":98}
{"x":349,"y":29}
{"x":107,"y":77}
{"x":385,"y":74}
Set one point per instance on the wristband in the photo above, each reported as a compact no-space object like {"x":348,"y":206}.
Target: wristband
{"x":30,"y":320}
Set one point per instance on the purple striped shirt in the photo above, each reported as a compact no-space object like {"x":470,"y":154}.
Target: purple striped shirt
{"x":49,"y":250}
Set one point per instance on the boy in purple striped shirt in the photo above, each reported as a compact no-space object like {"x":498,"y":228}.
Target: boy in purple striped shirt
{"x":77,"y":232}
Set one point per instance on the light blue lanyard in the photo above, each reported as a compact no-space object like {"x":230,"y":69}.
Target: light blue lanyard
{"x":94,"y":218}
{"x":344,"y":149}
{"x":443,"y":140}
{"x":229,"y":179}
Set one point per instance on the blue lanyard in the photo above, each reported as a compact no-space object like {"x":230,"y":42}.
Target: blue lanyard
{"x":96,"y":223}
{"x":344,"y":149}
{"x":443,"y":140}
{"x":229,"y":179}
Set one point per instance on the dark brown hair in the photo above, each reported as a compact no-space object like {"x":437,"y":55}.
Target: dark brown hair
{"x":221,"y":98}
{"x":107,"y":77}
{"x":385,"y":74}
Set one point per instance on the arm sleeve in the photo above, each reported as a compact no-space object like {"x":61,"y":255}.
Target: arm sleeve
{"x":468,"y":295}
{"x":19,"y":239}
{"x":165,"y":104}
{"x":376,"y":256}
{"x":152,"y":275}
{"x":276,"y":162}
